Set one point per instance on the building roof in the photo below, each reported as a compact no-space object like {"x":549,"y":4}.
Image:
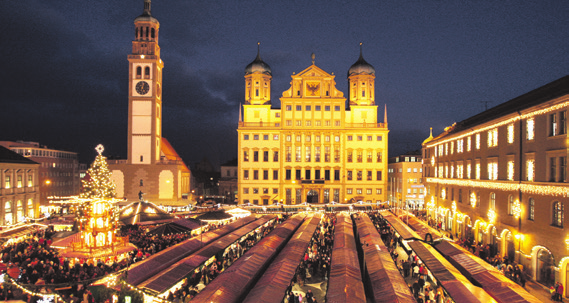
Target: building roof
{"x":535,"y":97}
{"x":8,"y":156}
{"x":258,"y":65}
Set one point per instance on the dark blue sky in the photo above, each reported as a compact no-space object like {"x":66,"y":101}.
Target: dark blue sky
{"x":64,"y":65}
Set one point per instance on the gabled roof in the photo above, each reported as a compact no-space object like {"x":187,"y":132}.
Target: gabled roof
{"x":169,"y":152}
{"x":8,"y":156}
{"x":535,"y":97}
{"x":313,"y":71}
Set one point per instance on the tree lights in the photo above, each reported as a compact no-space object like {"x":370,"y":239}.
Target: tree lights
{"x":98,"y":183}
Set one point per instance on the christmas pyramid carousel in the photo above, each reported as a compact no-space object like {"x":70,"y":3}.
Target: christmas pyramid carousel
{"x":97,"y":218}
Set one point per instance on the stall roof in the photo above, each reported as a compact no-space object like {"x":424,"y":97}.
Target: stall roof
{"x":421,"y":228}
{"x":271,"y":286}
{"x":402,"y":229}
{"x":456,"y":285}
{"x":493,"y":281}
{"x":387,"y":283}
{"x":145,"y":269}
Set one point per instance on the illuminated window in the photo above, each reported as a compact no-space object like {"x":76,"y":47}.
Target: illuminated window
{"x":337,"y":123}
{"x":446,"y":170}
{"x":459,"y":145}
{"x":492,"y":169}
{"x":246,"y":174}
{"x":7,"y":183}
{"x":369,"y":156}
{"x":349,"y":191}
{"x":511,"y":170}
{"x":446,"y":149}
{"x":530,"y":129}
{"x":307,"y":154}
{"x":298,"y":153}
{"x":307,"y":138}
{"x":326,"y":153}
{"x":349,"y":175}
{"x":460,"y":171}
{"x":288,"y":151}
{"x":19,"y":182}
{"x":452,"y":170}
{"x":298,"y":138}
{"x":451,"y":147}
{"x":298,"y":122}
{"x":493,"y":137}
{"x":360,"y":156}
{"x":477,"y":141}
{"x":336,"y":154}
{"x":558,"y":214}
{"x":360,"y":175}
{"x":440,"y":173}
{"x":477,"y":170}
{"x":379,"y":156}
{"x":441,"y":151}
{"x":510,"y":205}
{"x":553,"y":126}
{"x":468,"y":144}
{"x":468,"y":171}
{"x":531,"y":209}
{"x":350,"y":156}
{"x":530,"y":169}
{"x":288,"y":122}
{"x":308,"y":123}
{"x":492,"y":200}
{"x":562,"y":122}
{"x":511,"y":133}
{"x":317,"y":154}
{"x":30,"y":180}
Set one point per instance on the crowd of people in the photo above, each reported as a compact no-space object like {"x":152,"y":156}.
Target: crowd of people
{"x":315,"y":264}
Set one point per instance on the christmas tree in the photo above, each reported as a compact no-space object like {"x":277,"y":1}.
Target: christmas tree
{"x":97,"y":183}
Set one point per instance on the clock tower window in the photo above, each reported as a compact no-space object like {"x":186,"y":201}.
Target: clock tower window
{"x":152,"y":33}
{"x":138,"y":72}
{"x":147,"y":72}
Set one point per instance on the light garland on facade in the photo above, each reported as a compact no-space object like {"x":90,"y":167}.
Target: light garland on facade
{"x":559,"y":191}
{"x":517,"y":209}
{"x":491,"y":216}
{"x":505,"y":122}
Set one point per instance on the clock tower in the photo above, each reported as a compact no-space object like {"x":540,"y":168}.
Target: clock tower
{"x":145,"y":91}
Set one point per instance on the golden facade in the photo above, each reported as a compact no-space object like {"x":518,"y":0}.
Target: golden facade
{"x":313,"y":149}
{"x":500,"y":177}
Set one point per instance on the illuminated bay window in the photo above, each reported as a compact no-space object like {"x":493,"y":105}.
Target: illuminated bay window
{"x":510,"y":133}
{"x":530,"y":129}
{"x":493,"y":137}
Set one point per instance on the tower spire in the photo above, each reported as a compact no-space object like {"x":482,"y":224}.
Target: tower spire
{"x":147,"y":4}
{"x":385,"y":114}
{"x":361,"y":52}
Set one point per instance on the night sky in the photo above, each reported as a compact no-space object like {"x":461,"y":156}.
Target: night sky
{"x":64,"y":67}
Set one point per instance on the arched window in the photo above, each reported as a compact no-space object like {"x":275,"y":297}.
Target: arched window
{"x":138,"y":72}
{"x":147,"y":32}
{"x":492,"y":200}
{"x":531,"y":209}
{"x":558,"y":215}
{"x":147,"y":72}
{"x":152,"y":33}
{"x":511,"y":205}
{"x":136,"y":33}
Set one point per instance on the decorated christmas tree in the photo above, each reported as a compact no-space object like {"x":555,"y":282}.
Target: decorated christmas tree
{"x":98,"y":183}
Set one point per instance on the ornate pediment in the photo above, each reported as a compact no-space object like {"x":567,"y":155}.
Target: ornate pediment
{"x":313,"y":82}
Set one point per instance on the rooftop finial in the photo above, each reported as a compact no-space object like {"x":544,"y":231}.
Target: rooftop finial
{"x":147,"y":4}
{"x":313,"y":56}
{"x":361,"y":43}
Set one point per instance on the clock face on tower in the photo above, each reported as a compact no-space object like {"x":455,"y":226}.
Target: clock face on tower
{"x":142,"y":87}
